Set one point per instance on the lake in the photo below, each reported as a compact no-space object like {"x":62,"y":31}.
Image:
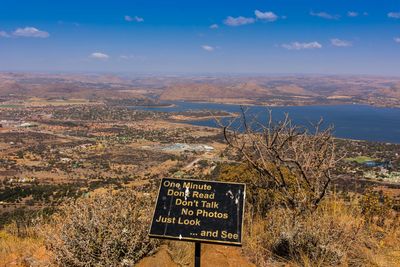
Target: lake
{"x":360,"y":122}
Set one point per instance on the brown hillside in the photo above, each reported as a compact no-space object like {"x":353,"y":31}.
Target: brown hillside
{"x":211,"y":91}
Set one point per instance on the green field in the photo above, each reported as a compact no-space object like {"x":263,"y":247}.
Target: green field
{"x":11,"y":106}
{"x":361,"y":159}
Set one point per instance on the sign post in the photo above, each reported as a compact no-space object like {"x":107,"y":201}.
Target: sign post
{"x":199,"y":211}
{"x":197,"y":254}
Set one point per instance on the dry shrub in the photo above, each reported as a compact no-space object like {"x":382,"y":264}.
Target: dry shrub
{"x":293,"y":162}
{"x":106,"y":229}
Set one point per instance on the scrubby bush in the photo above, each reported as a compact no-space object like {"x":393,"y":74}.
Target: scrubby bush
{"x":106,"y":229}
{"x":376,"y":207}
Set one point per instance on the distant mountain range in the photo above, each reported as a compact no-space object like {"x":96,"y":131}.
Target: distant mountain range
{"x":268,"y":90}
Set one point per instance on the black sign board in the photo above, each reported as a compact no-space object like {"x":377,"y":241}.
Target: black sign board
{"x":196,"y":210}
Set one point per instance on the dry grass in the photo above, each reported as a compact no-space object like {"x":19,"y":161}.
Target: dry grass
{"x":181,"y":252}
{"x":337,"y":234}
{"x":22,"y":251}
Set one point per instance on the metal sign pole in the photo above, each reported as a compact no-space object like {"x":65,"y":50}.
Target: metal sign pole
{"x":197,"y":253}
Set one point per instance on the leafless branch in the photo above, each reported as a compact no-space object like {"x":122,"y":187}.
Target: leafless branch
{"x":295,"y":161}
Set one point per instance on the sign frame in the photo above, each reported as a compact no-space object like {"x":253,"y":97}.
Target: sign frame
{"x":200,"y":240}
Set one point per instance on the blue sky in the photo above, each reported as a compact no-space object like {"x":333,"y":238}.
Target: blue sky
{"x":252,"y":36}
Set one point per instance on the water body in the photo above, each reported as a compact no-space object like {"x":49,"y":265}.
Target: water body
{"x":359,"y":122}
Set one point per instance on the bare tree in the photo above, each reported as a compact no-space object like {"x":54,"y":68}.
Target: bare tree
{"x":294,"y":162}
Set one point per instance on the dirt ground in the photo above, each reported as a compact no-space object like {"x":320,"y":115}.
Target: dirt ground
{"x":211,"y":256}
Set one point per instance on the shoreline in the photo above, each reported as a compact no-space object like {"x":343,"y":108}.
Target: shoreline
{"x":279,"y":106}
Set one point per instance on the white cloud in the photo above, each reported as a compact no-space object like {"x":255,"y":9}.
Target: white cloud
{"x":132,"y":57}
{"x":238,"y":21}
{"x":4,"y":34}
{"x":397,"y":40}
{"x":394,"y":15}
{"x":99,"y":55}
{"x":340,"y":43}
{"x":268,"y":16}
{"x":208,"y":48}
{"x":214,"y":26}
{"x":324,"y":15}
{"x":139,"y":19}
{"x":30,"y":32}
{"x":352,"y":14}
{"x":61,"y":22}
{"x":126,"y":57}
{"x":135,"y":18}
{"x":300,"y":46}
